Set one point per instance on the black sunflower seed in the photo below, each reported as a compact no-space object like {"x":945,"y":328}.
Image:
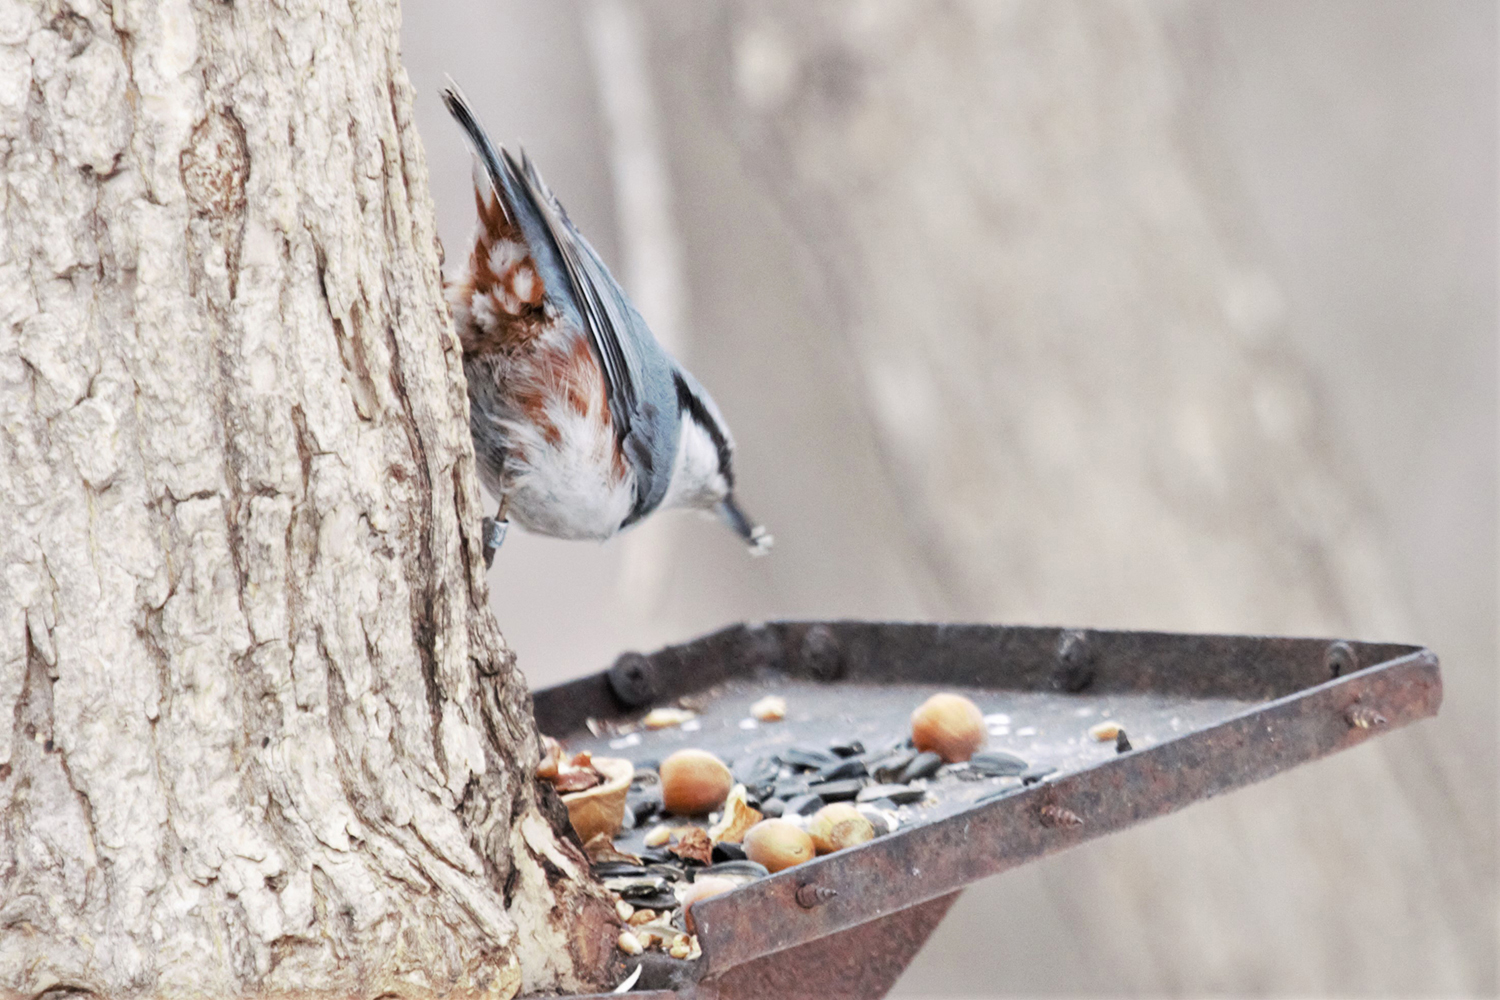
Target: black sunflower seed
{"x":997,"y":764}
{"x":837,"y":791}
{"x":923,"y":765}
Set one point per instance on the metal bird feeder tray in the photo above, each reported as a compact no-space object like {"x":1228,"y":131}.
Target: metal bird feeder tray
{"x":1204,"y":714}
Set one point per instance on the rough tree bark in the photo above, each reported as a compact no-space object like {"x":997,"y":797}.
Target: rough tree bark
{"x":266,"y":735}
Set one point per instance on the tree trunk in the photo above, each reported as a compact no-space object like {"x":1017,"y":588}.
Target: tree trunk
{"x":266,"y":734}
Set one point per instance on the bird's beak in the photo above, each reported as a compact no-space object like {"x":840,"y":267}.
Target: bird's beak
{"x":754,"y":535}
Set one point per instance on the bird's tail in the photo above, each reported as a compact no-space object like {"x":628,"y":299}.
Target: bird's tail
{"x":502,"y":285}
{"x":523,"y":195}
{"x":507,"y":186}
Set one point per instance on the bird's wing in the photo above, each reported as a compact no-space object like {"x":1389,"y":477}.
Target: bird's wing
{"x":597,"y":293}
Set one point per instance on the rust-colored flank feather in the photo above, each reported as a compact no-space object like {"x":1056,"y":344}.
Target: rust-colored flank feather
{"x":562,"y":371}
{"x":548,"y":368}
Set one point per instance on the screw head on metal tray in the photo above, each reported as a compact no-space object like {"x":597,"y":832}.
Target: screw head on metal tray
{"x":1074,"y":668}
{"x":633,"y":680}
{"x":822,"y":654}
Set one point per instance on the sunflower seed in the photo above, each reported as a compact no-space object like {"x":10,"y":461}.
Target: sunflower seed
{"x":837,"y":791}
{"x":725,"y":851}
{"x":757,"y":773}
{"x":889,"y":767}
{"x":805,"y":758}
{"x":997,"y":764}
{"x":642,"y":895}
{"x":896,"y":794}
{"x":669,"y":872}
{"x":664,"y":900}
{"x":843,"y":769}
{"x":790,"y":788}
{"x":803,"y":805}
{"x":737,"y":868}
{"x":923,"y":765}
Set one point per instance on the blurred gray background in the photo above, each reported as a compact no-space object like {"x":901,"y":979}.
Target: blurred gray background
{"x":1173,"y":315}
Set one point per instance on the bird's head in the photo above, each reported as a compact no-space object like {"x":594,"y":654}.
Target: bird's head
{"x":703,"y":469}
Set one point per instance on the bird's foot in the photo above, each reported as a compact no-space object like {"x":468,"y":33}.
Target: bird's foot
{"x":760,"y":540}
{"x":493,"y":536}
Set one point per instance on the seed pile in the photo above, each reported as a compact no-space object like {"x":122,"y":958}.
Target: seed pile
{"x":701,"y":825}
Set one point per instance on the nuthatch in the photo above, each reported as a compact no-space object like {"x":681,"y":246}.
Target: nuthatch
{"x":582,"y":423}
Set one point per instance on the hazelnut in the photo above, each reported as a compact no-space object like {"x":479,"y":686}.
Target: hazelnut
{"x":838,"y":825}
{"x":575,"y":779}
{"x":702,"y":888}
{"x":694,"y":782}
{"x":949,"y":725}
{"x":601,"y":809}
{"x":629,"y":943}
{"x":1105,"y":731}
{"x":777,"y":844}
{"x":738,"y":817}
{"x":666,"y":718}
{"x":771,"y":708}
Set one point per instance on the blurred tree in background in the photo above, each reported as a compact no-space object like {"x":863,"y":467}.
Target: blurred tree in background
{"x":1174,"y":315}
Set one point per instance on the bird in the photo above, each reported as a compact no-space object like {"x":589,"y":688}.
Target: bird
{"x":583,"y":424}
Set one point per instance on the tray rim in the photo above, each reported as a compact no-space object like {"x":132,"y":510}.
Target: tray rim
{"x":1310,"y":721}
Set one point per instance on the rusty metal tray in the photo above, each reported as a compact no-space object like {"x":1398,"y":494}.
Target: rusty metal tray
{"x":1204,"y":714}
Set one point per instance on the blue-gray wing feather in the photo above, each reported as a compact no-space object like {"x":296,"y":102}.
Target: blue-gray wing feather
{"x":605,"y":313}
